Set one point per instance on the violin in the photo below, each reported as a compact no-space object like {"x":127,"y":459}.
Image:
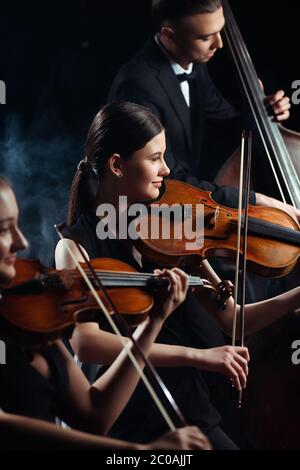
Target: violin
{"x":43,"y":304}
{"x":273,"y":236}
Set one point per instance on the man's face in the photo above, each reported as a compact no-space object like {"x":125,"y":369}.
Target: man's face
{"x":197,"y":38}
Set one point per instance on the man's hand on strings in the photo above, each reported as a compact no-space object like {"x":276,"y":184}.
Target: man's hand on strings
{"x":279,"y":103}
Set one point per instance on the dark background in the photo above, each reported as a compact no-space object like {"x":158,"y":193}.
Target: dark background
{"x":58,"y":60}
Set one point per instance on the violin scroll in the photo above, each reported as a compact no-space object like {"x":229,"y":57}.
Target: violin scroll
{"x":221,"y":293}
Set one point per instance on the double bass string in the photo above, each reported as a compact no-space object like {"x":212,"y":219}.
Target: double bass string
{"x":276,"y":150}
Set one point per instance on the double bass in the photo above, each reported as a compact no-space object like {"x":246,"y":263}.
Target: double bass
{"x":271,"y":410}
{"x":281,"y":145}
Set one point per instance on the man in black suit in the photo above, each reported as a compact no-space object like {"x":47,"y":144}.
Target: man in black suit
{"x":169,"y":75}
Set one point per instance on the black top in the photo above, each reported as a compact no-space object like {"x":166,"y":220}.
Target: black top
{"x":24,"y":391}
{"x":189,"y":325}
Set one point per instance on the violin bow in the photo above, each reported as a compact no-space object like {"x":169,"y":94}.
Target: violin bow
{"x":246,"y":151}
{"x":126,"y":345}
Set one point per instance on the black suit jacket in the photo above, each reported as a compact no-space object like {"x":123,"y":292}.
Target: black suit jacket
{"x":148,"y":79}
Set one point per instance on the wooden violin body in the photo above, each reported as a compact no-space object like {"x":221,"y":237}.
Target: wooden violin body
{"x":273,"y":238}
{"x":41,"y":304}
{"x":45,"y":302}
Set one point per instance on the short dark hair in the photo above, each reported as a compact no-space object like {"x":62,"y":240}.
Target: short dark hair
{"x":168,"y":10}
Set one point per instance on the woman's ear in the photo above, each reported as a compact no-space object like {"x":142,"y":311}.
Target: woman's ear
{"x":115,"y":165}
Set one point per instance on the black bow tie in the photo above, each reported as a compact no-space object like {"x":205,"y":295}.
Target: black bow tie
{"x":187,"y":77}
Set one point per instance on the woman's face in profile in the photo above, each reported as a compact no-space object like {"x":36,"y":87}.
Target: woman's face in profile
{"x":11,"y":238}
{"x":144,"y":172}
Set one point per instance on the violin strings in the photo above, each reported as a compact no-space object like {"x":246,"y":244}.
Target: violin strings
{"x":267,"y":229}
{"x":142,"y":278}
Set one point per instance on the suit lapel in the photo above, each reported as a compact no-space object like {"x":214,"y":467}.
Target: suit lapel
{"x":170,"y":84}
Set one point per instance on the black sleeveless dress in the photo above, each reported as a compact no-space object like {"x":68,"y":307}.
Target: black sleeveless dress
{"x":24,"y":391}
{"x":189,"y":325}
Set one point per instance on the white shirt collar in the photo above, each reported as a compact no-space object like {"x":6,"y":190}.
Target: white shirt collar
{"x":178,"y":70}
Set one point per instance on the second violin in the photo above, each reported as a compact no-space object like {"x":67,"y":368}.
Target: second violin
{"x":273,"y":236}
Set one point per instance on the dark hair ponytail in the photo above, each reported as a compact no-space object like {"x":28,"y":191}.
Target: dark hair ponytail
{"x":121,"y":128}
{"x":83,"y":192}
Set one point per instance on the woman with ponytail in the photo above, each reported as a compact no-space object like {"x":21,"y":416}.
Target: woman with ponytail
{"x":124,"y":156}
